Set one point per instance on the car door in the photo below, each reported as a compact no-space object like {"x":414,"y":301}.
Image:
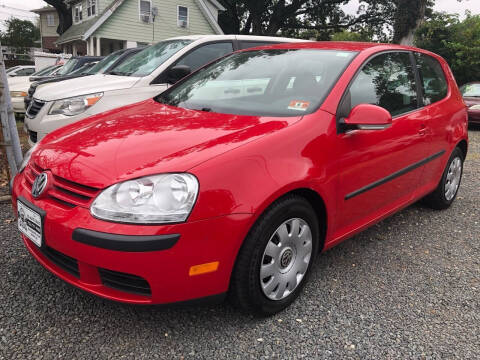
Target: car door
{"x":441,"y":111}
{"x":380,"y":169}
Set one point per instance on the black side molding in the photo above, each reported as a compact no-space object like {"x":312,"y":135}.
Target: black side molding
{"x":394,"y":175}
{"x":128,"y":243}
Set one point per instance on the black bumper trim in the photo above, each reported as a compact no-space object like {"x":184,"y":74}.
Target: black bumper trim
{"x":128,"y":243}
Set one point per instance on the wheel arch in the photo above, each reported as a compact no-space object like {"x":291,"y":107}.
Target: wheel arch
{"x":314,"y":199}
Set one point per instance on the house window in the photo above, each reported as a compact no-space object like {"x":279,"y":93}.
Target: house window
{"x":91,"y":7}
{"x":77,"y":13}
{"x":50,"y":20}
{"x":145,"y":7}
{"x":182,"y":16}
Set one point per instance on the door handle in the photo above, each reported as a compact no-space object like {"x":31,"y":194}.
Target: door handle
{"x":423,"y":129}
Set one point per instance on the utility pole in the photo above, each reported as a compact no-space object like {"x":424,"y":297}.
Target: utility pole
{"x":9,"y":140}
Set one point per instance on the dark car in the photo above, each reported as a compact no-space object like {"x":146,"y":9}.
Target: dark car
{"x":105,"y":64}
{"x":471,"y":96}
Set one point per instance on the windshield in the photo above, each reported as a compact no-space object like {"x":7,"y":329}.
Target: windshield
{"x":103,"y":65}
{"x":470,"y":90}
{"x":146,"y":61}
{"x":83,"y":69}
{"x":45,"y":71}
{"x":67,"y":68}
{"x":275,"y":82}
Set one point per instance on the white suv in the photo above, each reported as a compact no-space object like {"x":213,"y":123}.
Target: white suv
{"x":143,"y":76}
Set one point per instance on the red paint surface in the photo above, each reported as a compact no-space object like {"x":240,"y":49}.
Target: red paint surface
{"x":243,"y":164}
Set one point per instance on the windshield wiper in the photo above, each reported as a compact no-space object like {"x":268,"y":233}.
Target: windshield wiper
{"x":113,"y":72}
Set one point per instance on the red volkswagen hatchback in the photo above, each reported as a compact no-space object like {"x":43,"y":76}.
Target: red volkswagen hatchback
{"x":234,"y":179}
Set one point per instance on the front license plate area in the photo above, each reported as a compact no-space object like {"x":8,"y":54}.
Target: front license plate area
{"x":30,"y":221}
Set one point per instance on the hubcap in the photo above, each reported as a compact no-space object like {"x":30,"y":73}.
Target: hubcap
{"x":285,"y":259}
{"x":454,"y":175}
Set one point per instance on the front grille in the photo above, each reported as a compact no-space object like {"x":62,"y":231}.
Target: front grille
{"x":63,"y":191}
{"x":34,"y":108}
{"x":125,"y":282}
{"x":33,"y":136}
{"x":63,"y":261}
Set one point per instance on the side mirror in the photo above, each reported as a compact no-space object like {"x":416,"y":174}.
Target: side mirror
{"x":177,"y":73}
{"x":368,"y":117}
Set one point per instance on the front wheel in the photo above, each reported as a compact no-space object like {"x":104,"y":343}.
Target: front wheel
{"x":276,"y":257}
{"x":444,"y":195}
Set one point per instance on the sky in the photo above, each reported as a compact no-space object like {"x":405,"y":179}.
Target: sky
{"x":21,"y":9}
{"x":449,"y":6}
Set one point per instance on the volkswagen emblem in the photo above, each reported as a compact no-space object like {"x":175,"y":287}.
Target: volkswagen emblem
{"x":39,"y":184}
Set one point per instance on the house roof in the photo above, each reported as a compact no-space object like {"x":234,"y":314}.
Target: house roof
{"x":209,"y":16}
{"x":86,"y":28}
{"x":83,"y":30}
{"x":44,"y":9}
{"x":217,"y":5}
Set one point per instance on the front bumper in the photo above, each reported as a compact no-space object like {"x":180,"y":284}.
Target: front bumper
{"x":161,"y":274}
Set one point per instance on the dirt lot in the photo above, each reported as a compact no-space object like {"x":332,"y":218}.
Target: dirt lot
{"x":408,"y":287}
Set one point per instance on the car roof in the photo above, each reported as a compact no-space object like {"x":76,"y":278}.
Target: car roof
{"x":236,"y":37}
{"x":337,"y":45}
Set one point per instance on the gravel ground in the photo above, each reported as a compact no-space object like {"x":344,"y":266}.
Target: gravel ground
{"x":406,"y":288}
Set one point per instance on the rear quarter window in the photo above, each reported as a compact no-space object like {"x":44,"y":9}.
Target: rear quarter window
{"x":433,"y":81}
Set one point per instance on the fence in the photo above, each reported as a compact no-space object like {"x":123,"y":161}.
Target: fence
{"x":9,"y":140}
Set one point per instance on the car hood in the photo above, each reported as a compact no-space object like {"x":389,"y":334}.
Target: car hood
{"x":18,"y":80}
{"x":84,"y":86}
{"x":146,"y":138}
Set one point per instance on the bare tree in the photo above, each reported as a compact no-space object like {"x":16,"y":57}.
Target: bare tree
{"x":64,"y":14}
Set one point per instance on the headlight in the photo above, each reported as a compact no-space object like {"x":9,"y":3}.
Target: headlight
{"x":75,"y":105}
{"x":26,"y":158}
{"x":18,"y":93}
{"x":475,"y":107}
{"x":155,"y":199}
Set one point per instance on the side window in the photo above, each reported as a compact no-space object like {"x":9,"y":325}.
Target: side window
{"x":182,"y":16}
{"x":25,"y":72}
{"x":434,"y":84}
{"x":250,"y":44}
{"x":145,"y":9}
{"x":205,"y":54}
{"x":77,"y":13}
{"x":388,"y":80}
{"x":50,"y":20}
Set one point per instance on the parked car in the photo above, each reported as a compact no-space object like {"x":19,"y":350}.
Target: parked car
{"x":471,"y":96}
{"x":142,"y":76}
{"x":106,"y":64}
{"x":12,"y":68}
{"x":22,"y":70}
{"x":236,"y":177}
{"x":48,"y":71}
{"x":19,"y":87}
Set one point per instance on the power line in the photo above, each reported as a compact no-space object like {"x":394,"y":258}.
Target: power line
{"x":14,"y":8}
{"x":17,"y":15}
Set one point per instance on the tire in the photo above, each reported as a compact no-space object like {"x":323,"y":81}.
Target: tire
{"x":251,"y":288}
{"x":439,"y":199}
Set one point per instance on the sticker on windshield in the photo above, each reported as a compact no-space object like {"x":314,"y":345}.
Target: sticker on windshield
{"x":298,"y":105}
